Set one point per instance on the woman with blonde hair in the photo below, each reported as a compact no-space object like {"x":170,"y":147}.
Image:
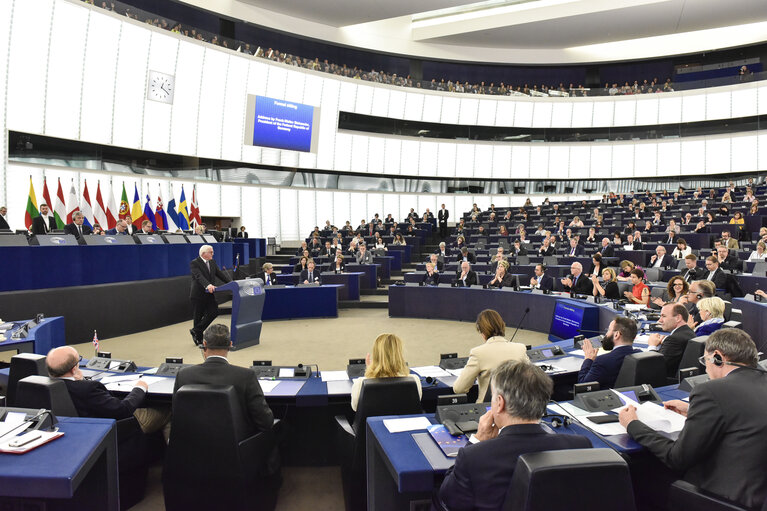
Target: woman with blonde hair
{"x":486,"y":357}
{"x":711,"y":312}
{"x":386,"y":361}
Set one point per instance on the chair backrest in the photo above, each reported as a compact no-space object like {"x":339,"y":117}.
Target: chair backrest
{"x":523,"y":260}
{"x":684,"y":495}
{"x":538,"y":476}
{"x":550,"y":260}
{"x":727,"y":310}
{"x":652,"y":274}
{"x":44,"y":392}
{"x":681,"y":264}
{"x":647,"y":367}
{"x":386,"y":396}
{"x":692,"y":352}
{"x":23,"y":365}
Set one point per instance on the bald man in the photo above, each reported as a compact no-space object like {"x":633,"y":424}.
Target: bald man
{"x":92,"y":399}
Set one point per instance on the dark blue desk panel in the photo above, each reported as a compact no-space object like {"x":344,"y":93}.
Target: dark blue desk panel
{"x":750,"y":283}
{"x":396,"y":255}
{"x":288,"y":279}
{"x":301,"y":302}
{"x":405,"y":250}
{"x":350,"y":284}
{"x":464,"y":304}
{"x":384,"y":264}
{"x":754,"y":320}
{"x":56,"y":469}
{"x":41,"y":339}
{"x":38,"y":267}
{"x":242,"y":247}
{"x":370,"y":279}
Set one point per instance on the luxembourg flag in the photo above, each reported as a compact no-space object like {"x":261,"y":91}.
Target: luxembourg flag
{"x":159,"y":213}
{"x":85,"y":206}
{"x":149,"y":210}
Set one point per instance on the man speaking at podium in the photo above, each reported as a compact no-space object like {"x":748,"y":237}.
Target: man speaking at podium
{"x":204,"y":307}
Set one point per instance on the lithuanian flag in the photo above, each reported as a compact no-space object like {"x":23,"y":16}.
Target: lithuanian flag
{"x":32,"y":211}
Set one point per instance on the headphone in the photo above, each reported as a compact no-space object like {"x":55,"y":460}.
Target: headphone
{"x":719,"y":362}
{"x":431,"y":381}
{"x":559,"y":421}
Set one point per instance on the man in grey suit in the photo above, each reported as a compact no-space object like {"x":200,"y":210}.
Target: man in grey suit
{"x":363,"y":256}
{"x":216,"y":370}
{"x":721,"y":448}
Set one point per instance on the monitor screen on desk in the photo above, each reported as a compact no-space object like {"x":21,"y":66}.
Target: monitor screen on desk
{"x":566,"y":321}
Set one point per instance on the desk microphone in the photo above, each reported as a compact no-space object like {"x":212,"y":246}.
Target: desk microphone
{"x":520,"y":323}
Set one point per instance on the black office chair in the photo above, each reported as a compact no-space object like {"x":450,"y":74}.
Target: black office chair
{"x":378,"y":397}
{"x":23,"y":365}
{"x":684,"y":496}
{"x":538,"y":476}
{"x":52,"y":394}
{"x":647,"y":367}
{"x":692,"y":352}
{"x":213,"y":459}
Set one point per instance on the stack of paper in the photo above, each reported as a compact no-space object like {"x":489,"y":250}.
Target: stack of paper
{"x":433,"y":371}
{"x":334,"y":376}
{"x":408,"y":424}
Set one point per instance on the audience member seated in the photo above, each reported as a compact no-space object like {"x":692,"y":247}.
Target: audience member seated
{"x":92,"y":399}
{"x":575,"y":250}
{"x":467,"y":256}
{"x":608,"y":288}
{"x":517,"y":249}
{"x":682,"y":250}
{"x":77,"y":227}
{"x":711,"y":312}
{"x":338,"y":264}
{"x":673,"y":319}
{"x":546,"y":249}
{"x":386,"y":361}
{"x":310,"y":275}
{"x":301,"y":265}
{"x":715,"y":274}
{"x":607,"y":250}
{"x":483,"y":469}
{"x":727,"y":260}
{"x":502,"y":278}
{"x":540,"y":280}
{"x":596,"y":265}
{"x":639,"y":293}
{"x":618,"y":342}
{"x":661,"y":259}
{"x":146,"y":228}
{"x":438,"y":265}
{"x":267,"y":274}
{"x":721,"y":448}
{"x":121,"y":227}
{"x":760,"y":253}
{"x":431,"y":277}
{"x":498,"y":256}
{"x":363,"y":256}
{"x":676,"y":292}
{"x":577,"y":283}
{"x":399,"y":240}
{"x":728,"y":241}
{"x":466,"y":277}
{"x":442,"y":251}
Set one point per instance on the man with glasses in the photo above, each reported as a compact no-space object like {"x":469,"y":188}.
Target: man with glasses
{"x":721,"y":448}
{"x":673,"y":319}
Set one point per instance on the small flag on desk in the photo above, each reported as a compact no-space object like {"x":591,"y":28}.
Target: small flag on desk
{"x":96,"y":341}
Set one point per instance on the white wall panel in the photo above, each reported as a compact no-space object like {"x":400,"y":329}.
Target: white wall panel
{"x":289,"y":214}
{"x":520,"y":161}
{"x":693,"y":160}
{"x":743,"y":153}
{"x":744,"y":102}
{"x":623,"y":160}
{"x":669,"y":154}
{"x":413,"y":106}
{"x":625,"y":112}
{"x":157,"y":116}
{"x":5,"y":28}
{"x":559,"y":161}
{"x":307,"y":213}
{"x":275,"y":81}
{"x":363,"y":100}
{"x":718,"y":105}
{"x":235,"y":103}
{"x":27,"y":66}
{"x":324,"y":205}
{"x":693,"y":108}
{"x":288,"y":158}
{"x":463,"y":205}
{"x":375,"y":204}
{"x":486,"y":113}
{"x":186,"y":101}
{"x":501,"y":162}
{"x":209,"y":123}
{"x":601,"y":160}
{"x":294,"y":86}
{"x":432,"y":108}
{"x":359,"y":153}
{"x":343,"y":152}
{"x":603,"y":113}
{"x":464,"y":160}
{"x":230,"y":201}
{"x":409,"y":157}
{"x":391,"y":204}
{"x":669,"y":109}
{"x":450,"y":108}
{"x":328,"y":123}
{"x":645,"y":159}
{"x":358,"y":206}
{"x":561,"y":115}
{"x":397,"y":104}
{"x":762,"y":151}
{"x":313,"y":90}
{"x":251,"y":214}
{"x":502,"y":201}
{"x":392,"y":150}
{"x":380,"y":107}
{"x":647,"y":111}
{"x":17,"y":179}
{"x":717,"y":155}
{"x":504,"y":114}
{"x":426,"y":201}
{"x":542,"y":114}
{"x":539,"y":161}
{"x":446,"y":159}
{"x":580,"y":161}
{"x":583,"y":113}
{"x":65,"y":64}
{"x":258,"y":74}
{"x":523,"y":114}
{"x":762,"y":99}
{"x":342,"y":210}
{"x":271,"y":221}
{"x":483,"y":161}
{"x":208,"y":198}
{"x":347,"y":98}
{"x":130,"y":89}
{"x":469,"y":111}
{"x":376,"y":149}
{"x":427,"y":158}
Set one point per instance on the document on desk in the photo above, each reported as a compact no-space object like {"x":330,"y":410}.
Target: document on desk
{"x":448,"y":380}
{"x":568,"y":364}
{"x":268,"y":385}
{"x":455,"y":372}
{"x":433,"y":371}
{"x":408,"y":424}
{"x":125,"y":382}
{"x":334,"y":376}
{"x":339,"y":387}
{"x":286,"y":388}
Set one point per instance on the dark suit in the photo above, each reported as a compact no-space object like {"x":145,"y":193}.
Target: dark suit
{"x":545,"y":283}
{"x":442,"y":216}
{"x":482,"y":472}
{"x":218,"y":371}
{"x":637,"y":245}
{"x":92,"y":399}
{"x":272,"y":278}
{"x":72,"y":229}
{"x":719,"y":279}
{"x":547,"y":252}
{"x":316,"y":276}
{"x":721,"y":448}
{"x":578,"y":250}
{"x":667,"y":262}
{"x":471,"y":279}
{"x":606,"y":367}
{"x":113,"y":232}
{"x":691,"y":275}
{"x":204,"y":306}
{"x":242,"y":234}
{"x":430,"y":280}
{"x":506,"y":281}
{"x":731,"y":263}
{"x":582,"y":286}
{"x":336,"y":269}
{"x":469,"y":257}
{"x":38,"y":224}
{"x":4,"y":223}
{"x":673,"y":347}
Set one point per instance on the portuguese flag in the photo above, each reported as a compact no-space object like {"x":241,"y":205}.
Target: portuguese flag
{"x":124,"y":211}
{"x":32,"y":211}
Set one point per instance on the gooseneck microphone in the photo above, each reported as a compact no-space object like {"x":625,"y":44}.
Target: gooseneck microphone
{"x":520,"y":323}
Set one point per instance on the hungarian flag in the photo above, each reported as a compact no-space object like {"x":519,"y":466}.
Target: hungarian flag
{"x":159,"y":213}
{"x":60,"y":209}
{"x":111,"y":208}
{"x":183,"y":214}
{"x":32,"y":211}
{"x":99,"y":210}
{"x":124,"y":205}
{"x":136,"y":214}
{"x":85,"y":206}
{"x":149,"y":210}
{"x":74,"y":204}
{"x":194,"y":209}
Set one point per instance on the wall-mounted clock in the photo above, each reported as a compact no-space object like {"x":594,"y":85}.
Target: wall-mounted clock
{"x":161,"y":87}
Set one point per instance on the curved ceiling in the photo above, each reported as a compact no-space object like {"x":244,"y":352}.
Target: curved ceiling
{"x":514,"y":31}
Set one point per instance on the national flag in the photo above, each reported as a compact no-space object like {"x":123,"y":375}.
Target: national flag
{"x":111,"y":208}
{"x":149,"y":210}
{"x":159,"y":213}
{"x":46,"y":195}
{"x":194,"y":209}
{"x":172,"y":215}
{"x":74,"y":204}
{"x":60,"y":209}
{"x":183,"y":214}
{"x":96,"y":341}
{"x":86,"y":207}
{"x":32,"y":211}
{"x":99,"y":211}
{"x":124,"y":206}
{"x":137,"y":214}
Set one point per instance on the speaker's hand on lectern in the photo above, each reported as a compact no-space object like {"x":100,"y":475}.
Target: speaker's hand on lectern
{"x":210,"y":288}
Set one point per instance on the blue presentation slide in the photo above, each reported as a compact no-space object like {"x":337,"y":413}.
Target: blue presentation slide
{"x":567,"y":320}
{"x":282,"y":124}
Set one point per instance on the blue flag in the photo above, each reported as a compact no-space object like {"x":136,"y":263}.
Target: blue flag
{"x":183,"y":214}
{"x":172,"y":212}
{"x":148,"y":213}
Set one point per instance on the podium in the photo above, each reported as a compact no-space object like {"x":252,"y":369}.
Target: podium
{"x":247,"y":306}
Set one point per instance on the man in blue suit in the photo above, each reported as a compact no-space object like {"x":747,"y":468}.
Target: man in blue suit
{"x":541,"y":280}
{"x":480,"y":478}
{"x":575,"y":250}
{"x":619,"y":341}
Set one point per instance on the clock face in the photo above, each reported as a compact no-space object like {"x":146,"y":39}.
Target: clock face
{"x":160,"y":87}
